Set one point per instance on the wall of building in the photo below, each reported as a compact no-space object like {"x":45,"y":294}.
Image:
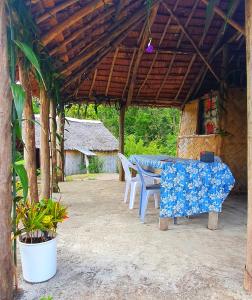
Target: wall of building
{"x":110,"y":161}
{"x":73,"y":162}
{"x":230,"y":144}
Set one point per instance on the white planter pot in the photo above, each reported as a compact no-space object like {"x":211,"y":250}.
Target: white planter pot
{"x":39,"y":261}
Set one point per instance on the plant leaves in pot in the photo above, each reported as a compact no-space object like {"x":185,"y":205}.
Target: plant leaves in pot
{"x":37,"y":235}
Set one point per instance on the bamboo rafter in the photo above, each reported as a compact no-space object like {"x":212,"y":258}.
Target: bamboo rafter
{"x":52,"y":12}
{"x":88,"y":9}
{"x":231,"y":22}
{"x":140,"y":52}
{"x":115,"y":31}
{"x":111,"y":70}
{"x":185,"y":76}
{"x":81,"y":31}
{"x":212,"y":53}
{"x":191,"y":41}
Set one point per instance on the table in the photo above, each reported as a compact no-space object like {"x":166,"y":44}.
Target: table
{"x":190,"y":187}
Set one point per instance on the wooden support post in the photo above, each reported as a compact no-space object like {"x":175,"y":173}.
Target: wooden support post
{"x":60,"y":146}
{"x":6,"y":264}
{"x":248,"y":268}
{"x":29,"y":136}
{"x":212,"y":220}
{"x":163,"y":224}
{"x":121,"y":138}
{"x":44,"y":145}
{"x":53,"y":130}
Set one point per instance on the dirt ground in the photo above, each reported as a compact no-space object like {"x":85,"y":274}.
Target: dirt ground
{"x":104,"y":252}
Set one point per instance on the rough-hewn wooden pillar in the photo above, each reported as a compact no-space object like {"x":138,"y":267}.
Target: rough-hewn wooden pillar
{"x":44,"y":145}
{"x":248,"y":268}
{"x":53,"y":129}
{"x":29,"y":135}
{"x":121,"y":139}
{"x":60,"y":146}
{"x":6,"y":265}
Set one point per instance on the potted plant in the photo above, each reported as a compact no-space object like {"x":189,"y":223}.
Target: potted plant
{"x":36,"y":231}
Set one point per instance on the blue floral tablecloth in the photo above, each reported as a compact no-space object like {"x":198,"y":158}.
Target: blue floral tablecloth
{"x":190,"y":187}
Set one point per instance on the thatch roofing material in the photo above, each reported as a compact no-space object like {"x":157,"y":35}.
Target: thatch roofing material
{"x":100,"y":50}
{"x":85,"y":136}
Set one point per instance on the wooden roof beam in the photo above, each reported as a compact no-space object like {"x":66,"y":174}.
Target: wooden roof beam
{"x":92,"y":84}
{"x":86,"y":10}
{"x":128,"y":75}
{"x":166,"y":76}
{"x":222,"y":14}
{"x":177,"y":46}
{"x":96,"y":58}
{"x":191,"y":40}
{"x":52,"y":12}
{"x":104,"y":40}
{"x":140,"y":52}
{"x":78,"y":32}
{"x":185,"y":77}
{"x":111,"y":71}
{"x":212,"y":53}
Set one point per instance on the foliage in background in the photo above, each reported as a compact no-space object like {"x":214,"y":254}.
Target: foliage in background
{"x":147,"y":130}
{"x":95,"y":164}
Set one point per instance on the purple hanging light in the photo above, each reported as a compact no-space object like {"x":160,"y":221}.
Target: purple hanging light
{"x":149,"y":48}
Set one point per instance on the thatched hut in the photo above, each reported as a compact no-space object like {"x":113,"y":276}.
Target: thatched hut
{"x":85,"y":139}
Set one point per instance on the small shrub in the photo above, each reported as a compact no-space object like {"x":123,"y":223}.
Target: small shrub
{"x":95,"y":165}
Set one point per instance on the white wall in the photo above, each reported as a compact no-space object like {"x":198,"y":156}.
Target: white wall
{"x":73,"y":162}
{"x":110,"y":161}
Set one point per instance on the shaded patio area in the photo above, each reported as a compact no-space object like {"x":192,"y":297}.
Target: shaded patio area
{"x":104,"y":252}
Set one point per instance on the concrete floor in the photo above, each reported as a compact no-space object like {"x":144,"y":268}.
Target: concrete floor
{"x":104,"y":252}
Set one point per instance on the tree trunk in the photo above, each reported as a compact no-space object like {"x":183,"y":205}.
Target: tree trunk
{"x":60,"y":146}
{"x":248,"y":267}
{"x":121,"y":139}
{"x":6,"y":264}
{"x":29,"y":136}
{"x":53,"y":128}
{"x":44,"y":145}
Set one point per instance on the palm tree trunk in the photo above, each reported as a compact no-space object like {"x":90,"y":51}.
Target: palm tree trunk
{"x":29,"y":136}
{"x":53,"y":129}
{"x":44,"y":145}
{"x":6,"y":264}
{"x":60,"y":146}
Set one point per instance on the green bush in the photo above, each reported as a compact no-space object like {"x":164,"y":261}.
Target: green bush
{"x":95,"y":165}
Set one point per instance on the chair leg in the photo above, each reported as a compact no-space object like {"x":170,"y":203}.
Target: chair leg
{"x":127,"y":186}
{"x":145,"y":198}
{"x":133,"y":187}
{"x":156,"y":198}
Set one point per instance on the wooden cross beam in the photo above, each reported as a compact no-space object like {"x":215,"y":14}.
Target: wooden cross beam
{"x":96,"y":58}
{"x":212,"y":53}
{"x":222,"y":14}
{"x":177,"y":46}
{"x":128,"y":75}
{"x":54,"y":10}
{"x":166,"y":76}
{"x":92,"y":84}
{"x":82,"y":30}
{"x":140,"y":52}
{"x":116,"y":30}
{"x":111,"y":70}
{"x":60,"y":27}
{"x":185,"y":76}
{"x":191,"y":40}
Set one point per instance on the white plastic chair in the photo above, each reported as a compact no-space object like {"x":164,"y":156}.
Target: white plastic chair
{"x":130,"y":182}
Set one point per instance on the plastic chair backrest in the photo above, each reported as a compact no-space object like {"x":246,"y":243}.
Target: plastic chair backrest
{"x":126,"y":166}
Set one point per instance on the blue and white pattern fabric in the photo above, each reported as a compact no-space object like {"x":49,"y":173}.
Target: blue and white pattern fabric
{"x":189,"y":187}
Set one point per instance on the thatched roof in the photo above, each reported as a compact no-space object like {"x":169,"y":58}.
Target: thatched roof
{"x":100,"y":45}
{"x":84,"y":136}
